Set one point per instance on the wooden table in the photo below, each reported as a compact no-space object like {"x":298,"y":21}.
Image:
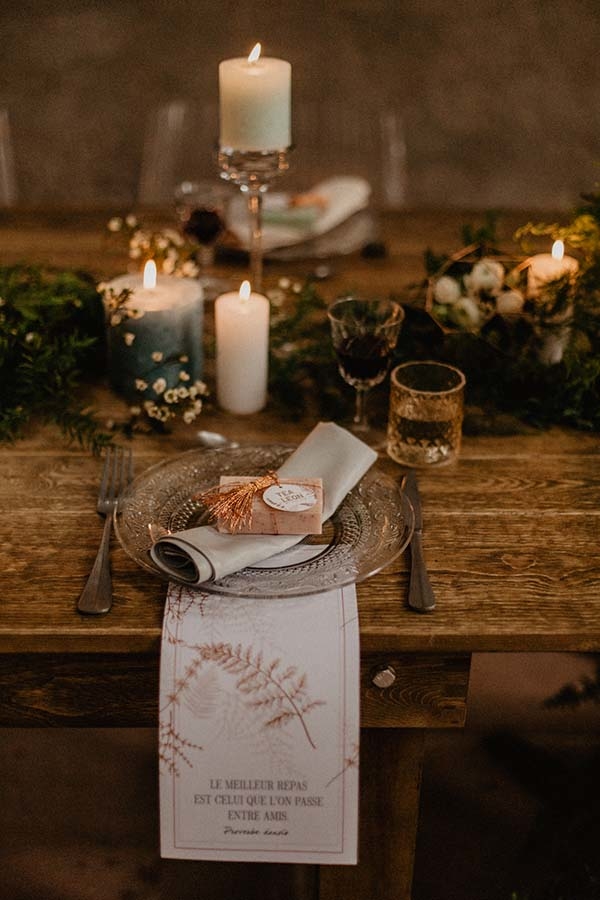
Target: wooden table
{"x":511,"y":543}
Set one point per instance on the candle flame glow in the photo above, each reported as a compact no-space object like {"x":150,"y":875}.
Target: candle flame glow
{"x":245,"y":290}
{"x":254,"y":54}
{"x":558,"y":250}
{"x":149,"y":277}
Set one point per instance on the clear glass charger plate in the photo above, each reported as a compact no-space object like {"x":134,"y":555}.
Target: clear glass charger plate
{"x":370,"y":528}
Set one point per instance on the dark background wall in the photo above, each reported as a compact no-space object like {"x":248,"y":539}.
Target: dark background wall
{"x":494,"y":103}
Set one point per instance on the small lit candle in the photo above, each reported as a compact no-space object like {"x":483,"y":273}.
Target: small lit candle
{"x":158,"y":334}
{"x":255,"y":103}
{"x":242,"y":342}
{"x":545,"y":267}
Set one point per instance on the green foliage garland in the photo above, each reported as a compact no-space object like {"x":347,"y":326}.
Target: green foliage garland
{"x":51,"y":329}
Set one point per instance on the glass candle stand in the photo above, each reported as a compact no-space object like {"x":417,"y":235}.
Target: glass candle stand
{"x":253,"y":171}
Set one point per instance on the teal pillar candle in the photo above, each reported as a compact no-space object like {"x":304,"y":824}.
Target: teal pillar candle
{"x":155,"y":338}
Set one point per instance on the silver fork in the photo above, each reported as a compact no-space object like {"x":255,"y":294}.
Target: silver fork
{"x":96,"y":597}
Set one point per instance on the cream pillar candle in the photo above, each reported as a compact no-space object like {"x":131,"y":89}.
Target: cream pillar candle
{"x":545,"y":267}
{"x":242,"y":341}
{"x":255,"y":103}
{"x":166,"y":325}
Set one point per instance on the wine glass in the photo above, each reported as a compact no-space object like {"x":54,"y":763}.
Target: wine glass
{"x":201,"y":209}
{"x":364,"y":333}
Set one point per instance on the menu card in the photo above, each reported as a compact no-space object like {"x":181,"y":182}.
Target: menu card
{"x":259,"y":727}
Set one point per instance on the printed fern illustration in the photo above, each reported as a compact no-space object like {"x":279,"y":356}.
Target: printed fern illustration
{"x":279,"y":694}
{"x":172,"y":748}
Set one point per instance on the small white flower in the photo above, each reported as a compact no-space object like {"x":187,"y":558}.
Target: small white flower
{"x":29,"y":337}
{"x":129,"y":338}
{"x":157,"y":356}
{"x":140,"y":384}
{"x":509,"y":303}
{"x":189,"y":269}
{"x":134,"y":253}
{"x":161,"y":243}
{"x":182,"y":392}
{"x":115,"y":224}
{"x":284,"y":284}
{"x":135,"y":410}
{"x":486,"y":275}
{"x":131,"y":221}
{"x":446,"y":290}
{"x":197,"y":406}
{"x":170,"y":396}
{"x":189,"y":416}
{"x":168,"y":266}
{"x":183,"y":376}
{"x":116,"y":319}
{"x":202,"y":388}
{"x":173,"y":236}
{"x":466,"y":313}
{"x":159,"y":385}
{"x":297,"y":287}
{"x":184,"y":358}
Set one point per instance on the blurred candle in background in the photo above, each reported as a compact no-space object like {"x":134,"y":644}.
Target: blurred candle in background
{"x":255,"y":103}
{"x":545,"y":267}
{"x":242,"y":342}
{"x":161,"y":339}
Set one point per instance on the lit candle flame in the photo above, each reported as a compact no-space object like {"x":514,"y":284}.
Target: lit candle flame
{"x":149,"y":278}
{"x":254,"y":54}
{"x":558,"y":250}
{"x":245,"y":290}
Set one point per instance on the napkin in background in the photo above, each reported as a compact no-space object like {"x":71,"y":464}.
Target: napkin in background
{"x":202,"y":554}
{"x":336,"y":200}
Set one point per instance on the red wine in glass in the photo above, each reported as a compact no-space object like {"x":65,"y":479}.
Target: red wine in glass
{"x":204,"y":224}
{"x":363,"y":359}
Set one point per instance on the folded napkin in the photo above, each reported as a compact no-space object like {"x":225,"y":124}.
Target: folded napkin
{"x":340,"y":198}
{"x":203,"y":554}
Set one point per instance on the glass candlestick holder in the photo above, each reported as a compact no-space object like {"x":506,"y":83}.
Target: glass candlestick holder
{"x":253,"y":171}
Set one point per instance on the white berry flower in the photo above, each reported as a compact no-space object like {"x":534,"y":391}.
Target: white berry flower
{"x":135,"y":410}
{"x":159,"y":385}
{"x":115,"y":224}
{"x":446,"y":290}
{"x":509,"y":303}
{"x":140,"y":384}
{"x":157,"y":356}
{"x":183,"y":376}
{"x":486,"y":275}
{"x":129,"y":338}
{"x":131,"y":221}
{"x":466,"y":313}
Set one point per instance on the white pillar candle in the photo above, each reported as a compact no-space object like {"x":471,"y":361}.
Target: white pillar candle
{"x":167,"y":324}
{"x":545,"y":267}
{"x":255,"y":103}
{"x":242,"y":343}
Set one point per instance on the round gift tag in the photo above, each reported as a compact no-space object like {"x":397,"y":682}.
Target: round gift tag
{"x":290,"y":497}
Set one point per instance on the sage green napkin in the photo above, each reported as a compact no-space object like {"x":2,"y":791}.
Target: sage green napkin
{"x":204,"y":554}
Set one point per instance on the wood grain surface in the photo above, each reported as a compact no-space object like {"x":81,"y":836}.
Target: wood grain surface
{"x":511,"y":530}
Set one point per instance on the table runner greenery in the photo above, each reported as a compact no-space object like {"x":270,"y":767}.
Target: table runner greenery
{"x":52,"y":342}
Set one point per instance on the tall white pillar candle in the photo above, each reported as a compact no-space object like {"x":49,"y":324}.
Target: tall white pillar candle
{"x":255,"y":103}
{"x":242,"y":346}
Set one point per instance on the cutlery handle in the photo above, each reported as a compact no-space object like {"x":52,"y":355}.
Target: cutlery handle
{"x":420,"y":592}
{"x":96,"y":597}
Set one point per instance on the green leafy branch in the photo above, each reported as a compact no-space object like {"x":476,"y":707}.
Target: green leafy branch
{"x":51,"y":331}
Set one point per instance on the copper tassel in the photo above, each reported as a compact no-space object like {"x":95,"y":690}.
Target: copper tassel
{"x":233,"y":506}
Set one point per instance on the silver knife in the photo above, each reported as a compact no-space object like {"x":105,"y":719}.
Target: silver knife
{"x":420,"y":592}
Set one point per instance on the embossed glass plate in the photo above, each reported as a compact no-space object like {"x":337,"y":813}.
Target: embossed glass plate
{"x":370,"y":528}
